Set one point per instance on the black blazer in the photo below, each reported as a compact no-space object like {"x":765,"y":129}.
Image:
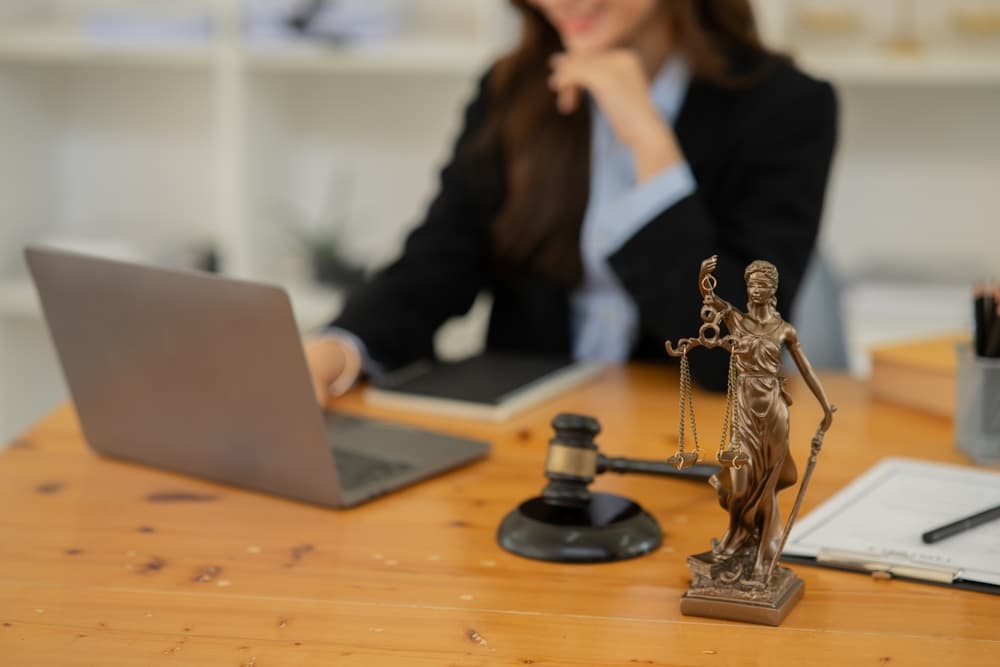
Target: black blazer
{"x":760,"y":156}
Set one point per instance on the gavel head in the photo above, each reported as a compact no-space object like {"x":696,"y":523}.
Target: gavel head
{"x":572,"y":460}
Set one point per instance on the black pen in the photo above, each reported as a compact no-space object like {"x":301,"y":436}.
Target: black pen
{"x":983,"y":307}
{"x":960,"y":526}
{"x":993,"y":336}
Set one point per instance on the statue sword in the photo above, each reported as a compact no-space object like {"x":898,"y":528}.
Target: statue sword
{"x":817,"y":444}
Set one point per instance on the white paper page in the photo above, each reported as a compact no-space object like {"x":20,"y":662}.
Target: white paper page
{"x":883,"y":513}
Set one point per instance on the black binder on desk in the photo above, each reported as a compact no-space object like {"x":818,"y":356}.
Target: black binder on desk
{"x":491,"y":386}
{"x":874,"y":525}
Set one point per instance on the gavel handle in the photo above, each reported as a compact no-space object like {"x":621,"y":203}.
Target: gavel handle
{"x":701,"y":471}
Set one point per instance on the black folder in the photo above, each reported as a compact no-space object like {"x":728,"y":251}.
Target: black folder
{"x":492,"y":386}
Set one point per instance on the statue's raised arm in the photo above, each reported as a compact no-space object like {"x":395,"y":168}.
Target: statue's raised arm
{"x":714,"y":312}
{"x":707,"y":283}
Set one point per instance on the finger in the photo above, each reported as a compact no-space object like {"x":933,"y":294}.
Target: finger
{"x":320,"y":390}
{"x":575,"y":70}
{"x":567,"y":92}
{"x":568,"y":100}
{"x":325,"y":362}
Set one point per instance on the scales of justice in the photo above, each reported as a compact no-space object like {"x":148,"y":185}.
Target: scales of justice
{"x":738,"y":578}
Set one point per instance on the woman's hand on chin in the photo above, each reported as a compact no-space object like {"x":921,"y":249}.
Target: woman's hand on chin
{"x":617,"y":82}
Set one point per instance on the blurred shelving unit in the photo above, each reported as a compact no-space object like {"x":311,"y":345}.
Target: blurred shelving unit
{"x":63,"y":89}
{"x":67,"y":45}
{"x":886,"y":69}
{"x":413,"y":56}
{"x":171,"y":144}
{"x":911,"y":210}
{"x":906,"y":42}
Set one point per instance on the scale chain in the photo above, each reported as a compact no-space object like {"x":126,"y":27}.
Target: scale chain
{"x":727,"y":417}
{"x":686,"y":411}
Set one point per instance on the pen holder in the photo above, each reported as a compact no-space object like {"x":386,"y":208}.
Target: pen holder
{"x":977,"y":406}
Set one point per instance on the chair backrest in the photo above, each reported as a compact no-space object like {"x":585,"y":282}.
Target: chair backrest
{"x":818,"y":317}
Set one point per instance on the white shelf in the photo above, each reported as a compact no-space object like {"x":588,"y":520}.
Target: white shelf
{"x":922,"y":68}
{"x":424,"y":55}
{"x":58,"y":44}
{"x":420,"y":55}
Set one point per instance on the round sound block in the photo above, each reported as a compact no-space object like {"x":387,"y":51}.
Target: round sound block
{"x":609,"y":528}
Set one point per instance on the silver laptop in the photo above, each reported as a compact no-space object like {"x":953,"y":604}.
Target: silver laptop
{"x":206,"y":376}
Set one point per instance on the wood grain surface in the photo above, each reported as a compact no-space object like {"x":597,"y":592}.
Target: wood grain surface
{"x":108,"y":563}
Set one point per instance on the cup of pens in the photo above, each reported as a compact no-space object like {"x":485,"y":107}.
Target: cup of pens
{"x":977,"y":400}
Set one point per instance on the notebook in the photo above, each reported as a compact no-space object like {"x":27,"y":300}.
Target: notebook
{"x":491,"y":386}
{"x":875,"y":524}
{"x":206,"y":376}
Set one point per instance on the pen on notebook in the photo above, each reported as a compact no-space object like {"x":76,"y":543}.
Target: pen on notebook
{"x":960,"y":526}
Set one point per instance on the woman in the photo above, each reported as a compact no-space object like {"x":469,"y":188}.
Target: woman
{"x":617,"y":144}
{"x":749,"y":489}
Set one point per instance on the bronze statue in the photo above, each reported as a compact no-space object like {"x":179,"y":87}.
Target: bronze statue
{"x":739,"y":578}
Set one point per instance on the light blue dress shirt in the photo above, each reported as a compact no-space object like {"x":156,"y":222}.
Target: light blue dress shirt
{"x":604,"y":318}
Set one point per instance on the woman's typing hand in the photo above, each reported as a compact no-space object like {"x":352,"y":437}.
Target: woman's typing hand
{"x":334,"y":365}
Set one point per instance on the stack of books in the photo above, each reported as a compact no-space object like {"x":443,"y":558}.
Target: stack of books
{"x":919,"y":374}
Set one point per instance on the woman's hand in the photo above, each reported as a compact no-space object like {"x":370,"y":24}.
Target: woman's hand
{"x":334,"y":365}
{"x":618,"y":83}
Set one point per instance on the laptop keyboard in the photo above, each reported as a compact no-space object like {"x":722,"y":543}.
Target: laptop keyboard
{"x":358,"y":469}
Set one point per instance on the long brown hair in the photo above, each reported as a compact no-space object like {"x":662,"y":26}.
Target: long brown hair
{"x":547,"y":154}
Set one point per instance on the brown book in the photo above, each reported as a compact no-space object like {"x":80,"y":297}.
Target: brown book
{"x":919,"y":374}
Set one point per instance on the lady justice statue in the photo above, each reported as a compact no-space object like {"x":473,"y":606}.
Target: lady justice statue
{"x":739,"y":578}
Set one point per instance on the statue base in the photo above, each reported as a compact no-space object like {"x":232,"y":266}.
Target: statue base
{"x":719,"y":590}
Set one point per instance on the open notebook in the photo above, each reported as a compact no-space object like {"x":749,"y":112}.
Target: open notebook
{"x":875,"y":524}
{"x":491,"y":386}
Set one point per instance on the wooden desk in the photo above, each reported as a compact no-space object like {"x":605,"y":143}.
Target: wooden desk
{"x":105,"y":563}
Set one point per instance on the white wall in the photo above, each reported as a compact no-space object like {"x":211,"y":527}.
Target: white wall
{"x":916,"y":190}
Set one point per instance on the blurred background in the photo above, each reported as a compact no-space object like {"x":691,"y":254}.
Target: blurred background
{"x":296,"y":141}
